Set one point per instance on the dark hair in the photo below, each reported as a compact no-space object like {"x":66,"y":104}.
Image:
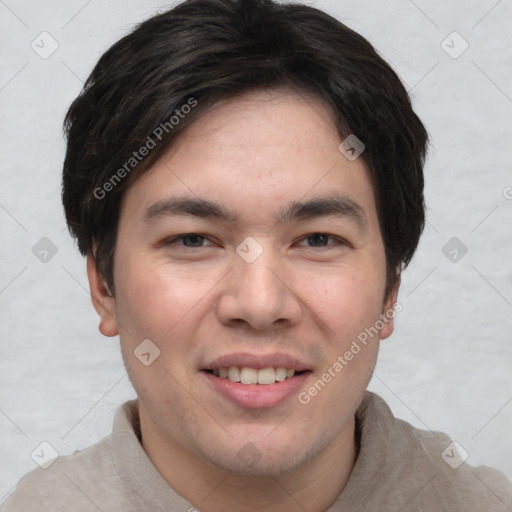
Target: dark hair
{"x":201,"y":51}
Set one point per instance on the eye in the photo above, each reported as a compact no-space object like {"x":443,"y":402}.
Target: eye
{"x":191,"y":240}
{"x":314,"y":240}
{"x":321,"y":240}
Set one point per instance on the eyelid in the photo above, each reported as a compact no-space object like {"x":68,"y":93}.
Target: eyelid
{"x":339,"y":240}
{"x":175,"y":239}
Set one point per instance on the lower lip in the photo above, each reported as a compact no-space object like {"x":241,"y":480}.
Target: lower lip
{"x":251,"y":396}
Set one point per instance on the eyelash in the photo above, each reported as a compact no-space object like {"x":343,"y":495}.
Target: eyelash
{"x":339,"y":241}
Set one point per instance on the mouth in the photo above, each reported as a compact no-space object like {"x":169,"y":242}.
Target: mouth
{"x":251,"y":382}
{"x":246,"y":375}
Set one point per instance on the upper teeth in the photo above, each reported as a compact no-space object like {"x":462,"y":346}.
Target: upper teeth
{"x":253,"y":376}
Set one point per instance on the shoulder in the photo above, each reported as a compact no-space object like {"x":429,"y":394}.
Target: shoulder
{"x":88,"y":480}
{"x":70,"y":481}
{"x":432,"y":471}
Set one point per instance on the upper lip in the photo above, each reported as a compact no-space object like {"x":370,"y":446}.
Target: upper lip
{"x":244,"y":359}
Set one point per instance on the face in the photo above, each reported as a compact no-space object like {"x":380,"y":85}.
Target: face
{"x":279,"y":272}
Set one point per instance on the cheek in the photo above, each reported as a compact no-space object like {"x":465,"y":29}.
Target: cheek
{"x":346,"y":305}
{"x":345,"y":300}
{"x":152,"y":299}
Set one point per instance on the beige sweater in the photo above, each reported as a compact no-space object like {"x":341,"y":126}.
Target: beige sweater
{"x":399,"y":468}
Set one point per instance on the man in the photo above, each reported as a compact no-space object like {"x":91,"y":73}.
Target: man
{"x":246,"y":181}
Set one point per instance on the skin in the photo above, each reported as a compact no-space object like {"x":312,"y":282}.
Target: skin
{"x":199,"y":300}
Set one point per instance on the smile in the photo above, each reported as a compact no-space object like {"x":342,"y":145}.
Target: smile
{"x":246,"y":375}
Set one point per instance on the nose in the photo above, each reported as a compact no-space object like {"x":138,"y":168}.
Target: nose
{"x":260,"y":293}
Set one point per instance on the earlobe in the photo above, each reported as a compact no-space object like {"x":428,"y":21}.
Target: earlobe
{"x":102,"y":299}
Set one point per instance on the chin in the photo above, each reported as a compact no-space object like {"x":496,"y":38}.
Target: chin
{"x":265,"y":459}
{"x":267,"y":466}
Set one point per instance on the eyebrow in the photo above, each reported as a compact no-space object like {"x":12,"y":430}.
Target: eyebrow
{"x":333,"y":205}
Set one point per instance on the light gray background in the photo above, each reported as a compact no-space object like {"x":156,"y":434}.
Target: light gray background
{"x":448,"y":365}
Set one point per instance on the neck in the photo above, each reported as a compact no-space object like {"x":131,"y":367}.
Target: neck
{"x":313,"y":486}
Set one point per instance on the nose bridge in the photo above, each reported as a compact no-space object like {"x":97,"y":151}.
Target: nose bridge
{"x":258,"y":293}
{"x":257,"y":267}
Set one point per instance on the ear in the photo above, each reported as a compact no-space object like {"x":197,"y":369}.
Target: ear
{"x":102,"y":300}
{"x":388,"y":314}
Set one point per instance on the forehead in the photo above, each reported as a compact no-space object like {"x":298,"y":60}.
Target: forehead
{"x":266,"y":119}
{"x":257,"y":153}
